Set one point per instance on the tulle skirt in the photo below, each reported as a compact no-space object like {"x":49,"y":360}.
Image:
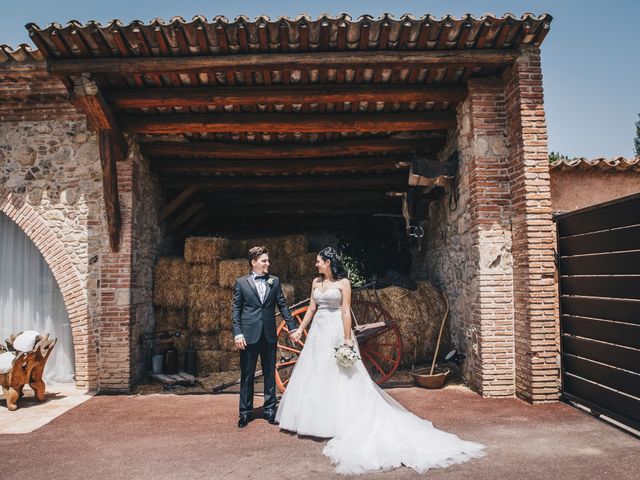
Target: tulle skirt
{"x":369,"y":430}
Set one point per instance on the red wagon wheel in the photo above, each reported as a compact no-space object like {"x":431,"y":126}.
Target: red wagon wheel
{"x":288,"y":350}
{"x":377,"y":334}
{"x":379,"y":339}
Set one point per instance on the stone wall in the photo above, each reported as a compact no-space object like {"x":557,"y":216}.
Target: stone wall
{"x":146,"y":242}
{"x":51,"y":185}
{"x":469,"y":249}
{"x":448,"y":256}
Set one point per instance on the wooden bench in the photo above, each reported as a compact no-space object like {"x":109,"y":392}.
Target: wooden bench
{"x":27,"y":368}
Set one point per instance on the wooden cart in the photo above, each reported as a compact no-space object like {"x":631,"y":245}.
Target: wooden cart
{"x":377,"y":334}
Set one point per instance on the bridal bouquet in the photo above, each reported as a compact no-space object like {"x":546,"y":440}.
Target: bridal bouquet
{"x":346,"y":355}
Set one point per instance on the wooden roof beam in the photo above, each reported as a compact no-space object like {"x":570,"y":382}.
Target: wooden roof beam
{"x":86,"y":96}
{"x":185,"y":215}
{"x":287,"y":122}
{"x":288,"y":61}
{"x":387,"y":181}
{"x":281,"y":151}
{"x":309,"y":166}
{"x":176,"y":203}
{"x":287,"y":94}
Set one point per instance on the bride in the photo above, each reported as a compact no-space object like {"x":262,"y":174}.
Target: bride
{"x":369,"y":430}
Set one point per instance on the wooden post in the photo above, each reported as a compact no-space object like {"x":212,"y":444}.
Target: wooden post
{"x":108,"y":156}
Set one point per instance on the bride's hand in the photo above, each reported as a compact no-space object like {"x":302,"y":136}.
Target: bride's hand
{"x":297,"y":335}
{"x":348,"y":341}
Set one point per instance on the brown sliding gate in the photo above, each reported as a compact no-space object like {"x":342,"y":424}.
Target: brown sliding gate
{"x":599,"y":267}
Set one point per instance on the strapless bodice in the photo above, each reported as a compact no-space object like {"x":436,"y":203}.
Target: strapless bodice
{"x":330,"y":299}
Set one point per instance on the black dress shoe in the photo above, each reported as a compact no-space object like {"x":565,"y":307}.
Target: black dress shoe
{"x":271,"y":418}
{"x":244,"y":420}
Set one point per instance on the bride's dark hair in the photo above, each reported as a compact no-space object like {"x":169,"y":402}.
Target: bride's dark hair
{"x":337,"y":267}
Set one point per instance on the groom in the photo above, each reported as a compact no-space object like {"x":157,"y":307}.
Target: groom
{"x":255,"y":297}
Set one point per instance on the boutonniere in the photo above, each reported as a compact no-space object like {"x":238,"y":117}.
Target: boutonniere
{"x":270,"y":281}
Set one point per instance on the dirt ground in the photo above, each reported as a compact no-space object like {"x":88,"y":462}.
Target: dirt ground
{"x":195,"y":436}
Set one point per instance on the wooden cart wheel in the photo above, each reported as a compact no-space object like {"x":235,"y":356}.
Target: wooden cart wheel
{"x":378,"y":337}
{"x":379,"y":340}
{"x":287,"y":351}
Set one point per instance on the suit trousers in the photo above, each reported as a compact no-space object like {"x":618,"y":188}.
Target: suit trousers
{"x":248,"y":360}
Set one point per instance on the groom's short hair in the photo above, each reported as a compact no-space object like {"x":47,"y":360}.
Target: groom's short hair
{"x":255,"y":252}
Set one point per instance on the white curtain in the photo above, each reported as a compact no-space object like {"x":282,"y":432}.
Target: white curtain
{"x":30,"y":299}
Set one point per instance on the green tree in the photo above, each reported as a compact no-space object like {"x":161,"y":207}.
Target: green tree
{"x":557,"y":156}
{"x":637,"y":139}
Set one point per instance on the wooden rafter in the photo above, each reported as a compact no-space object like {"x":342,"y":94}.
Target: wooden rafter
{"x":185,"y":215}
{"x":286,"y":61}
{"x":388,"y":181}
{"x":176,"y":203}
{"x":308,"y":166}
{"x":287,"y":94}
{"x":281,"y":151}
{"x":287,"y":122}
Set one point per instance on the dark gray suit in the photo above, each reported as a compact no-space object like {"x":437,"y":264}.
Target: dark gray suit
{"x":256,"y":320}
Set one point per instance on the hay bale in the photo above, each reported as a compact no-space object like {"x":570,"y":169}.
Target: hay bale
{"x":281,"y":247}
{"x":210,"y":361}
{"x":230,"y":270}
{"x":204,"y":321}
{"x":418,"y":315}
{"x":231,"y":363}
{"x":205,"y":341}
{"x":213,"y":298}
{"x":238,"y":248}
{"x":203,"y":274}
{"x":280,"y":268}
{"x":304,"y":266}
{"x":205,"y":249}
{"x":171,"y":277}
{"x":294,"y":245}
{"x":227,"y":343}
{"x":288,"y":291}
{"x":170,"y":319}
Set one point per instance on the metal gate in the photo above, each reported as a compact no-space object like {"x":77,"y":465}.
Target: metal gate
{"x":599,"y":271}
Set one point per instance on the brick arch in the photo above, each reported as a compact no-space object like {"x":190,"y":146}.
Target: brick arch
{"x":73,"y":293}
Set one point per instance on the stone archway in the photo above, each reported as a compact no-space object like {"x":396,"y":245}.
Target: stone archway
{"x":73,"y":292}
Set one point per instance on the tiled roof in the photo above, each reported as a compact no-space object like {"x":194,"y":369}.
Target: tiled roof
{"x":302,"y":34}
{"x":23,"y":54}
{"x":618,"y":164}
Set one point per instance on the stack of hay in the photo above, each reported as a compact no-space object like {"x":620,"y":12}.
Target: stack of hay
{"x":418,"y":314}
{"x":193,"y":296}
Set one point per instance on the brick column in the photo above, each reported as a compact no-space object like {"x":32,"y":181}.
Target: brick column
{"x":535,"y":297}
{"x":484,"y":148}
{"x":115,"y":297}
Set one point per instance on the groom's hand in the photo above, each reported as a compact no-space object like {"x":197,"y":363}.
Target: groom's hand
{"x":241,"y":343}
{"x":295,"y":335}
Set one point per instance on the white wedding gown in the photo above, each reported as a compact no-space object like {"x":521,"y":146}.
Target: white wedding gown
{"x":369,"y":430}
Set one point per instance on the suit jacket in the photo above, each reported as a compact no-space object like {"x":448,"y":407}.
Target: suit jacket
{"x":251,"y":317}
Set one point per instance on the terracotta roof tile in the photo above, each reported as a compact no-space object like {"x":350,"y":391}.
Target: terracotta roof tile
{"x":300,"y":34}
{"x":619,"y":164}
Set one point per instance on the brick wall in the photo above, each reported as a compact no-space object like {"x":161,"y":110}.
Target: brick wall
{"x":535,"y":296}
{"x":493,"y":256}
{"x":469,"y":249}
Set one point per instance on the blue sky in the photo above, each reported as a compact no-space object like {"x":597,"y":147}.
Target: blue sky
{"x":590,"y":59}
